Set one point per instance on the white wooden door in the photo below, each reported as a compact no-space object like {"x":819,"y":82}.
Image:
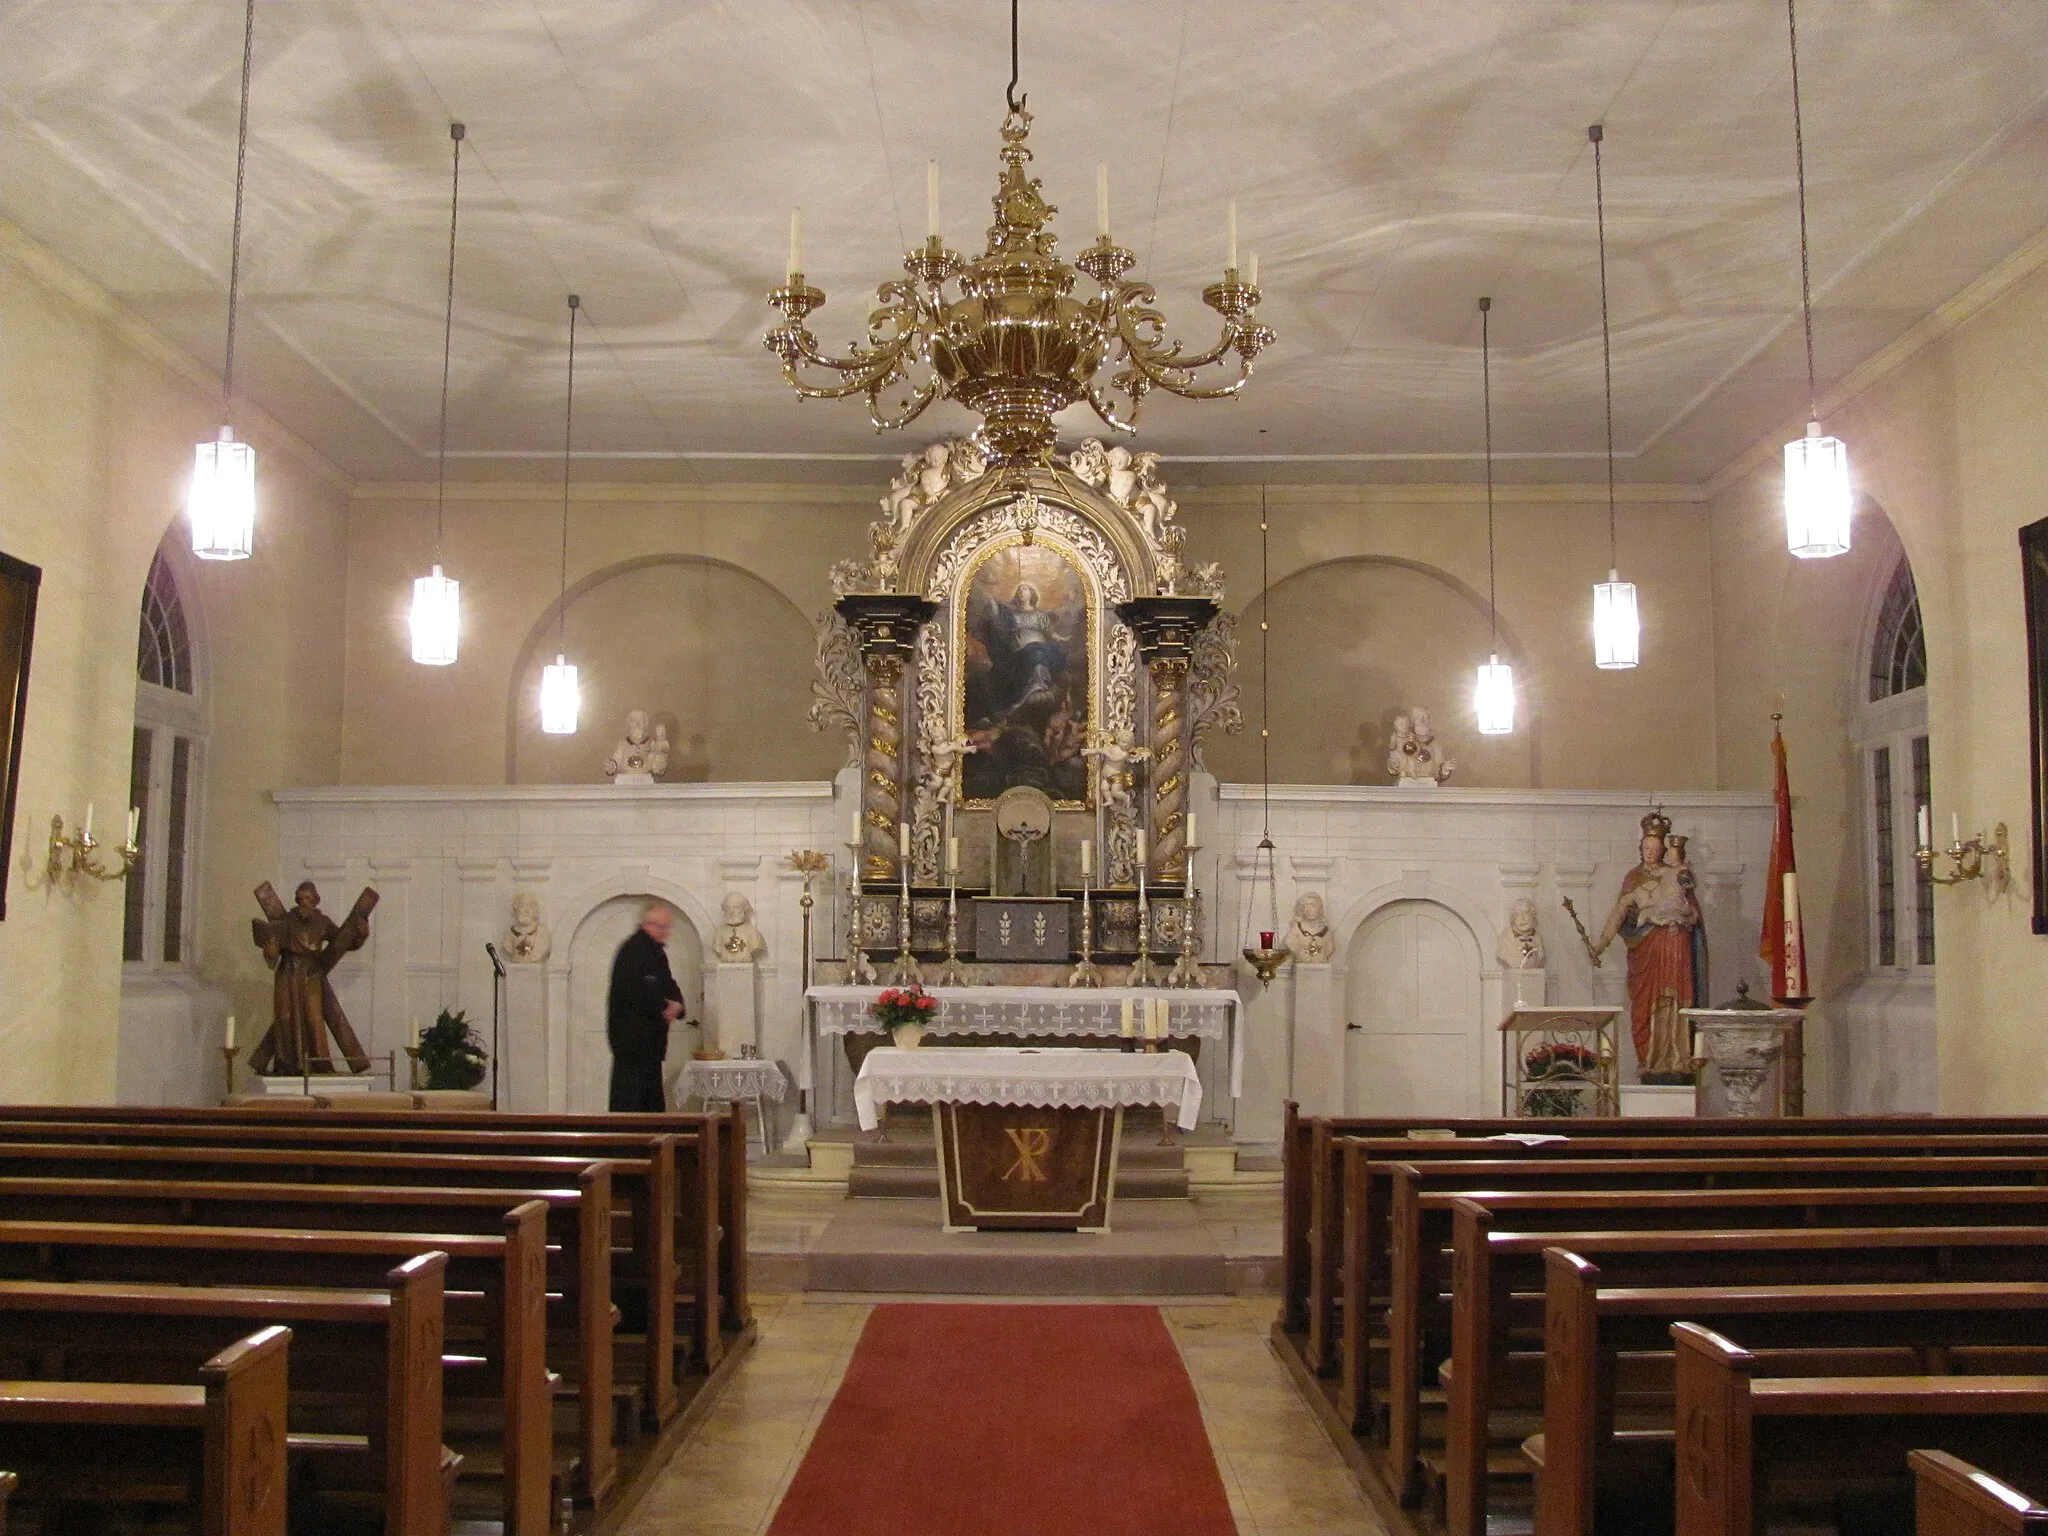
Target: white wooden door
{"x":1412,"y":990}
{"x":597,"y":941}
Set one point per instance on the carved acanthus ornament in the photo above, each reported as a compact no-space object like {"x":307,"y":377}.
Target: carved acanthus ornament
{"x":1212,"y":686}
{"x":836,"y":690}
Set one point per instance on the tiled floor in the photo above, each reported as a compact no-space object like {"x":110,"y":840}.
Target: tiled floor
{"x":1282,"y":1476}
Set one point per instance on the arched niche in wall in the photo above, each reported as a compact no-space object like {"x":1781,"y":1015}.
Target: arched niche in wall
{"x":592,"y":947}
{"x":718,"y":655}
{"x":1355,"y":642}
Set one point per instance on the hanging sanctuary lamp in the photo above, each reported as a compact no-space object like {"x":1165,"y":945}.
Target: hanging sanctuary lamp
{"x":1268,"y":954}
{"x":1818,"y":499}
{"x":1617,"y":627}
{"x":1008,"y":339}
{"x":220,"y":505}
{"x":436,"y":620}
{"x":560,"y":699}
{"x":1493,"y":691}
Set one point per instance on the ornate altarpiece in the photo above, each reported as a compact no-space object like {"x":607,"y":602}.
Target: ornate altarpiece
{"x":1027,"y":625}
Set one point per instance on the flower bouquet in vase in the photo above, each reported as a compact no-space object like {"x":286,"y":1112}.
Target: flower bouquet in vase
{"x":904,"y":1012}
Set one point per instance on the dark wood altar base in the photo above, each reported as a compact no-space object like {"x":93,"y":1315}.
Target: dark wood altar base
{"x":1015,"y":1168}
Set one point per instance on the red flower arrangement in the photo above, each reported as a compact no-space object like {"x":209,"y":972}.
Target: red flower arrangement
{"x":1563,"y":1059}
{"x":903,"y":1005}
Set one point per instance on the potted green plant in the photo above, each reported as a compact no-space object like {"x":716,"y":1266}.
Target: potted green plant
{"x":452,"y":1053}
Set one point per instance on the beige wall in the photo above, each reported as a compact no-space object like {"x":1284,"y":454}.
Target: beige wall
{"x":97,"y":421}
{"x":1380,"y":602}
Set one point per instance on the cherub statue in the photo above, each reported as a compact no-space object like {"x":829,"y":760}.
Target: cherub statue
{"x":1308,"y":936}
{"x":302,"y":945}
{"x":1412,"y":755}
{"x":1113,"y":761}
{"x":736,"y":939}
{"x":527,"y":942}
{"x":900,"y":506}
{"x":1521,"y":947}
{"x":1154,"y":508}
{"x":943,"y":757}
{"x":1126,"y":473}
{"x":642,"y":754}
{"x":931,"y":473}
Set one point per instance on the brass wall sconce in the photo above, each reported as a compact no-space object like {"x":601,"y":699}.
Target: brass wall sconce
{"x":73,"y":855}
{"x":1976,"y":859}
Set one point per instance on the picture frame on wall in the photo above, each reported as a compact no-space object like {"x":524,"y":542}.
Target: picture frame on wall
{"x":2034,"y":582}
{"x":19,"y":584}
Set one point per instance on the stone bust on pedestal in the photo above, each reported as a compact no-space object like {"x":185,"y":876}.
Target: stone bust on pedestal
{"x":1309,"y":935}
{"x":736,"y":940}
{"x":1521,"y":946}
{"x":527,"y":940}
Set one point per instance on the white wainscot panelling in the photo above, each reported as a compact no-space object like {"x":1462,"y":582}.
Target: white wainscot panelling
{"x":447,"y":863}
{"x":1417,"y":884}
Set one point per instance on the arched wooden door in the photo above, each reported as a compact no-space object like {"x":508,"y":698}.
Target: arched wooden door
{"x":1415,"y":1045}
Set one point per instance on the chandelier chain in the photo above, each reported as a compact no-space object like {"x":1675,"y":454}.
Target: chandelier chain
{"x":455,"y":132}
{"x":1597,"y":133}
{"x":227,"y":373}
{"x":1805,"y":251}
{"x":1010,"y":95}
{"x":568,"y":440}
{"x":1486,"y":398}
{"x":1265,"y":669}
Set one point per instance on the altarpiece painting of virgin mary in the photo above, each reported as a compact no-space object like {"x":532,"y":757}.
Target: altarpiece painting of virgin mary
{"x":1025,"y":686}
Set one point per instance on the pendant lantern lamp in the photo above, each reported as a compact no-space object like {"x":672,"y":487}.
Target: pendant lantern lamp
{"x":1263,"y":948}
{"x":561,"y":701}
{"x":1493,"y":691}
{"x":437,"y":597}
{"x":1617,"y":627}
{"x":1818,"y":498}
{"x":220,"y":504}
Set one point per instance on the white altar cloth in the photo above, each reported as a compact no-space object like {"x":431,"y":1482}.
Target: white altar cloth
{"x":1053,"y":1078}
{"x":1204,"y":1013}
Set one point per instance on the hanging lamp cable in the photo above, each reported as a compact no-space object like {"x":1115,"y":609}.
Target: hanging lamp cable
{"x":1265,"y":670}
{"x":1010,"y":93}
{"x":1597,"y":133}
{"x":568,"y":440}
{"x":1486,"y":397}
{"x":1805,"y":249}
{"x":227,"y":372}
{"x":455,"y":133}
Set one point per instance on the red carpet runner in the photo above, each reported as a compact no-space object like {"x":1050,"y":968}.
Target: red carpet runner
{"x":1010,"y":1421}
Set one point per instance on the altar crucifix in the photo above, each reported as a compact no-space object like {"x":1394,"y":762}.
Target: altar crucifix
{"x":302,"y":945}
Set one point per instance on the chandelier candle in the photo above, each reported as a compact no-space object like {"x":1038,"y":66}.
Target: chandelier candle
{"x":1102,"y":203}
{"x":931,"y":199}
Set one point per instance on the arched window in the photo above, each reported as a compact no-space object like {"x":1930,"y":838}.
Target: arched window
{"x":163,"y":777}
{"x":1898,"y":652}
{"x":1891,"y":733}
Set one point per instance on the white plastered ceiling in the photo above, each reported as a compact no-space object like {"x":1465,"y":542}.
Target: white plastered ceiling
{"x":1392,"y":160}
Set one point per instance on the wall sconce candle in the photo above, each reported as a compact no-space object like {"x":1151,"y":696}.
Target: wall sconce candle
{"x":1979,"y":858}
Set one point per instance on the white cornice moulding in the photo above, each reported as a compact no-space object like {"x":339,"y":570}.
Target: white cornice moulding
{"x":45,"y":266}
{"x":1210,"y":496}
{"x":685,"y":491}
{"x":545,"y":794}
{"x":1392,"y":795}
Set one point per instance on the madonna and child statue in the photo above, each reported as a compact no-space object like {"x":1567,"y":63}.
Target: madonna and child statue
{"x":1025,"y":684}
{"x":1657,"y":916}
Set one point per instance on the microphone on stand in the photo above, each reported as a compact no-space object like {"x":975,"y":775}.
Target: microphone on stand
{"x":497,"y":1013}
{"x":497,"y":964}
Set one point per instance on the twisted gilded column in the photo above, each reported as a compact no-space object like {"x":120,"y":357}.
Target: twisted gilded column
{"x":1165,"y":629}
{"x":886,"y":625}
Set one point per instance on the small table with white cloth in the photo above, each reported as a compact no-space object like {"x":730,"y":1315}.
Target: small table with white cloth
{"x":1027,"y":1138}
{"x":731,"y":1081}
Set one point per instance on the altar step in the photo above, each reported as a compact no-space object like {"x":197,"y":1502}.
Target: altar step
{"x":906,"y":1166}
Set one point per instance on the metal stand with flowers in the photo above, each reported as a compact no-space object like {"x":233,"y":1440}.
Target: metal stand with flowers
{"x":904,"y":1012}
{"x":1560,"y":1063}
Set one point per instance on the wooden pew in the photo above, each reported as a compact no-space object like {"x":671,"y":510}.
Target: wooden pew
{"x":496,"y":1290}
{"x":8,"y":1483}
{"x":1742,"y":1428}
{"x":1953,"y":1498}
{"x":1419,"y":1231}
{"x":1480,"y":1312}
{"x":1363,"y":1197}
{"x":652,"y":1170}
{"x":578,"y":1229}
{"x":382,"y":1345}
{"x":223,"y":1440}
{"x":1312,"y":1179}
{"x":1809,"y":1328}
{"x":724,"y":1134}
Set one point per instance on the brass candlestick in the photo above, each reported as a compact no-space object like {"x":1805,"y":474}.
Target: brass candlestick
{"x":951,"y":974}
{"x":1187,"y":971}
{"x":228,"y":1053}
{"x":1143,"y":972}
{"x":412,"y":1071}
{"x":860,"y":972}
{"x":905,"y":972}
{"x":1085,"y":972}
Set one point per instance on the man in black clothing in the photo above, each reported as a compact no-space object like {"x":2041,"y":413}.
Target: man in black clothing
{"x":644,"y":1001}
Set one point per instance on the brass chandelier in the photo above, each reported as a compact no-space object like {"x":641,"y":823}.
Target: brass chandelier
{"x":1010,"y":341}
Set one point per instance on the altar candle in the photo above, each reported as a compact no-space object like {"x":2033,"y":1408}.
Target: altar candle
{"x":796,"y":241}
{"x":1252,"y":270}
{"x":931,"y":199}
{"x":1124,"y":1024}
{"x":1955,"y":827}
{"x":1141,"y":845}
{"x":1158,"y":1030}
{"x":88,"y":821}
{"x":1087,"y":857}
{"x":1230,"y":236}
{"x":853,"y":838}
{"x":228,"y":1038}
{"x":1926,"y":830}
{"x":413,"y":1039}
{"x":1102,"y":201}
{"x":952,"y":855}
{"x":1193,"y":841}
{"x":134,"y":823}
{"x":903,"y":838}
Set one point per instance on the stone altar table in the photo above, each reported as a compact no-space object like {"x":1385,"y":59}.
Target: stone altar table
{"x":1027,"y":1139}
{"x":1070,"y":1012}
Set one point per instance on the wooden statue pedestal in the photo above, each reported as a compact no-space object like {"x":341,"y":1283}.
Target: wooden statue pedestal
{"x":1025,"y":1168}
